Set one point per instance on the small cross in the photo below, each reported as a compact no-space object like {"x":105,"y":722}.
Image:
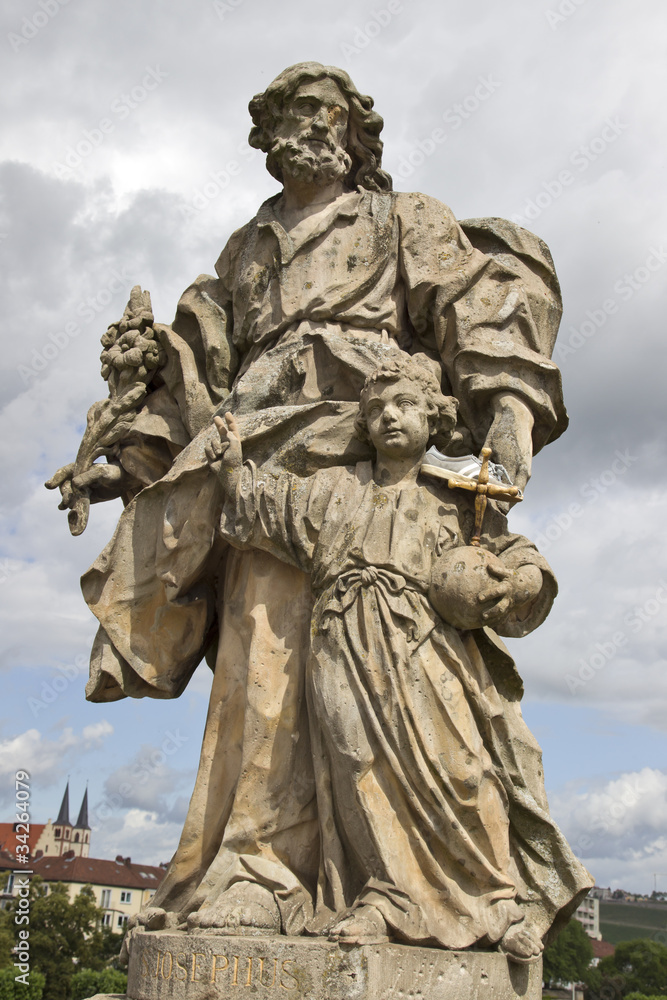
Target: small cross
{"x":482,"y":489}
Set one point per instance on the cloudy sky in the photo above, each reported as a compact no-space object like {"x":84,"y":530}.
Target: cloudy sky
{"x":124,"y":160}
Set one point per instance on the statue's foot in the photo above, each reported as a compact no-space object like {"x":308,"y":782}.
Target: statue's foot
{"x":153,"y":918}
{"x":244,"y":908}
{"x":365,"y":925}
{"x":521,"y":943}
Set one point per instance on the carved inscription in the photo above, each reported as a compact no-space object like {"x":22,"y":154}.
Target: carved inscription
{"x":230,"y":970}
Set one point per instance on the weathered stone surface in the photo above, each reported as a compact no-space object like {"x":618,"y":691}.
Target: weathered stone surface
{"x":365,"y":772}
{"x":168,"y":966}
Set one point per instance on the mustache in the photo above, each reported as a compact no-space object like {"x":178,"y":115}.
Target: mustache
{"x":325,"y":139}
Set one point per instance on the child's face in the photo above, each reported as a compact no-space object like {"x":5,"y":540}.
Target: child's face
{"x":397,"y":419}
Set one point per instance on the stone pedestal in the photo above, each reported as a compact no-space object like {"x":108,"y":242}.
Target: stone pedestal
{"x":168,"y":965}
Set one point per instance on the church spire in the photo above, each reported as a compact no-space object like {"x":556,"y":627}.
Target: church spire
{"x":82,"y":821}
{"x":63,"y":815}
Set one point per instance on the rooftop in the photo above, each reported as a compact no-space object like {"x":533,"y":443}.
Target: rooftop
{"x":602,"y":949}
{"x":121,"y":872}
{"x":8,"y":839}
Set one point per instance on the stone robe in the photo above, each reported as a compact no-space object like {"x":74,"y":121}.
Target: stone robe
{"x":415,"y":804}
{"x":284,"y":337}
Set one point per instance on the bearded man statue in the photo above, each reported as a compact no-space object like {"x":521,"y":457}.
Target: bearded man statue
{"x":333,"y":276}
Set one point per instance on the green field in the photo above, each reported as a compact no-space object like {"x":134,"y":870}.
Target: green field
{"x":627,"y":921}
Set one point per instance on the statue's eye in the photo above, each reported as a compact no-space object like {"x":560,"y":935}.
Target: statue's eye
{"x":306,"y":108}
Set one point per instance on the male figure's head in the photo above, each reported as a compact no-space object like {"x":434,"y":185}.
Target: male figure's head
{"x":314,"y":125}
{"x":401,"y":408}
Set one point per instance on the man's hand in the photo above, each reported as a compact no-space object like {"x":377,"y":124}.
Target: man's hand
{"x":102,"y":481}
{"x":224,"y":451}
{"x":510,"y":437}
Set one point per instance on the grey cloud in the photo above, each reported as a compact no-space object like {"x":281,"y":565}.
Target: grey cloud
{"x":149,"y":781}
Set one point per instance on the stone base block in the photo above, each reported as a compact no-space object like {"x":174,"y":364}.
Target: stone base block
{"x":168,"y":965}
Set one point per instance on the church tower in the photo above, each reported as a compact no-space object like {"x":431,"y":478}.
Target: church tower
{"x":62,"y":828}
{"x":57,"y":838}
{"x":82,"y":829}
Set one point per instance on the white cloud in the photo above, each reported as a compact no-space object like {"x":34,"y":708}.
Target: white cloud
{"x":45,"y":759}
{"x":139,"y":834}
{"x":149,"y":781}
{"x":617,"y":825}
{"x":95,"y":734}
{"x":605,"y":642}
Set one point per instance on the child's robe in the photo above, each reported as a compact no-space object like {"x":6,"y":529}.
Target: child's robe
{"x":430,"y":802}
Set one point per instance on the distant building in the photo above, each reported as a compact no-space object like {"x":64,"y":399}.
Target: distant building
{"x":7,"y":864}
{"x":588,"y":915}
{"x":59,"y":852}
{"x":601,"y":949}
{"x":52,"y":839}
{"x":121,"y":888}
{"x":599,"y":893}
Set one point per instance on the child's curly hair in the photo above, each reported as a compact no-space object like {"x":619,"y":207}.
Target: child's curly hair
{"x":441,"y":409}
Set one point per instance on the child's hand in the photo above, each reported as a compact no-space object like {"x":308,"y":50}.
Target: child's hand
{"x":517,"y":588}
{"x":471,"y":588}
{"x":224,"y":451}
{"x":495,"y":598}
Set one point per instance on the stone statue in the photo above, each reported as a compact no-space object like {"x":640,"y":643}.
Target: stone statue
{"x":365,"y":772}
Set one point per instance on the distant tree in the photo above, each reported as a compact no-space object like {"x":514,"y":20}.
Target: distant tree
{"x":102,"y":949}
{"x":11,"y":990}
{"x":87,"y":983}
{"x":568,"y":958}
{"x":636,"y":967}
{"x":63,"y":933}
{"x":6,"y":933}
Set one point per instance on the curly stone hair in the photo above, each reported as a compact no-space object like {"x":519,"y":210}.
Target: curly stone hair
{"x":364,"y":145}
{"x":418,"y":368}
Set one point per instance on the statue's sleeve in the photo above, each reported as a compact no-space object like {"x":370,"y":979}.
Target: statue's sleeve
{"x":279,"y":513}
{"x":201,"y":362}
{"x":152,"y":588}
{"x":485,"y":297}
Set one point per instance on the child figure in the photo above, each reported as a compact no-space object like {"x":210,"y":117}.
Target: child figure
{"x":417,"y":786}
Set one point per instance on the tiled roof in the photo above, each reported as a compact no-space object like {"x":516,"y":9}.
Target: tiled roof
{"x":602,"y":949}
{"x":8,"y":839}
{"x":121,"y":873}
{"x":7,"y":862}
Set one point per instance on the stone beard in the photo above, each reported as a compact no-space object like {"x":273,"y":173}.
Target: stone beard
{"x":325,"y":164}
